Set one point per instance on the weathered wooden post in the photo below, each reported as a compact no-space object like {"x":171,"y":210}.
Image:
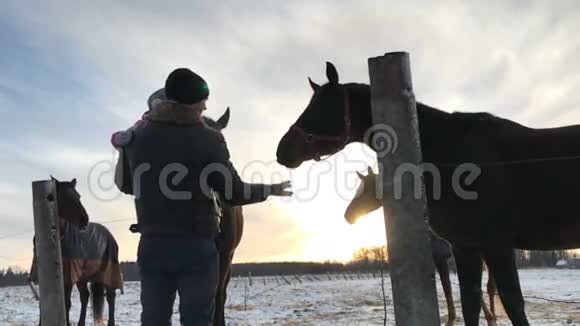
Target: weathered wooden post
{"x":47,"y":238}
{"x":395,"y":124}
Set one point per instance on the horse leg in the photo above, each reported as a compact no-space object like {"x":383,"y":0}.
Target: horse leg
{"x":84,"y":295}
{"x":220,"y":298}
{"x":225,"y":293}
{"x":443,"y":270}
{"x":491,"y":291}
{"x":67,"y":302}
{"x":469,"y":264}
{"x":111,"y":295}
{"x":98,"y":295}
{"x":501,"y":262}
{"x":489,"y":314}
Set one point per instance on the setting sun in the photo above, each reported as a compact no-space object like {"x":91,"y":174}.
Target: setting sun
{"x":328,"y":236}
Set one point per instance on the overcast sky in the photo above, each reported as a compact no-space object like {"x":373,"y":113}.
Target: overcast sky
{"x":71,"y":73}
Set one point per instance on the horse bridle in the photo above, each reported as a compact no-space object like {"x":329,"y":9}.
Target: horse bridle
{"x":312,"y":139}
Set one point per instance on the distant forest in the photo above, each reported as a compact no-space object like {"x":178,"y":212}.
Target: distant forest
{"x":364,"y":260}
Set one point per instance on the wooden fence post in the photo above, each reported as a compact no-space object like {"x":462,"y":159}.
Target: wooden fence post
{"x":395,"y":121}
{"x":49,"y":260}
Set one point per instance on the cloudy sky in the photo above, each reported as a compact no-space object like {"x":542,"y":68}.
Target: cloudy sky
{"x":74,"y":72}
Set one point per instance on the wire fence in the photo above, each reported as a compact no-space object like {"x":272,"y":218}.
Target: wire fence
{"x":250,"y":288}
{"x":30,"y":232}
{"x":249,"y":281}
{"x":528,"y":296}
{"x":267,"y":283}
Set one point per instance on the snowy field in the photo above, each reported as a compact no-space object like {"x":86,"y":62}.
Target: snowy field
{"x":325,"y":302}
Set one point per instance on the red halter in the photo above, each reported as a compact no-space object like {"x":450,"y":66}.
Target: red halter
{"x":313,"y":139}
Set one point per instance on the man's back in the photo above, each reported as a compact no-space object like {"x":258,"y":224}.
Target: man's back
{"x":166,"y":158}
{"x":163,"y":162}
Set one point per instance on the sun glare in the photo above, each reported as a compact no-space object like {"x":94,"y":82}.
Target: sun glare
{"x":329,"y":236}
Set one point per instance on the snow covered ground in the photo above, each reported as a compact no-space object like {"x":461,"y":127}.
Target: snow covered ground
{"x":325,"y":302}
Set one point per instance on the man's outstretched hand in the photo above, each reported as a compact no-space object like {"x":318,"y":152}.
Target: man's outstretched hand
{"x":281,"y":189}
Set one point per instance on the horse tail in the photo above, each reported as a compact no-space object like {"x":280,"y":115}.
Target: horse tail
{"x":98,"y":301}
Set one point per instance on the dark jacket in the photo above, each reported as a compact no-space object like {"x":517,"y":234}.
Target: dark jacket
{"x":168,"y":166}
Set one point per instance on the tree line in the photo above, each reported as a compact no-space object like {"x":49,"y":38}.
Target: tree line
{"x":13,"y":276}
{"x":526,"y":259}
{"x":367,"y":259}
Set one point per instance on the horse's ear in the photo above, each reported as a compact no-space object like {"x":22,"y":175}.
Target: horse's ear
{"x":370,"y":170}
{"x":331,"y":73}
{"x":54,"y":179}
{"x":74,"y":182}
{"x":362,"y":177}
{"x":313,"y":85}
{"x":224,"y":119}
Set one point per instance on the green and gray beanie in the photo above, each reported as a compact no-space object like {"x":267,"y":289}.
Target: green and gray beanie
{"x":185,"y":87}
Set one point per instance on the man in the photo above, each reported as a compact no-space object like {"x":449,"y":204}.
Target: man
{"x":171,"y":162}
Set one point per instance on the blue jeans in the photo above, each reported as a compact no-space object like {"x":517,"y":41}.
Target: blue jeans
{"x":186,"y":265}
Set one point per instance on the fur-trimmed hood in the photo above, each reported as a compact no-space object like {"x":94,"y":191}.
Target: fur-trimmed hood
{"x":172,"y":112}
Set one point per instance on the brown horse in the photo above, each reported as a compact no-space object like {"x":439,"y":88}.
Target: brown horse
{"x":520,"y":192}
{"x":89,"y":255}
{"x":231,"y":229}
{"x":367,"y":200}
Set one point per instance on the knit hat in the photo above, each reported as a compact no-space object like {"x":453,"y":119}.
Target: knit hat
{"x":156,"y":98}
{"x":185,"y":86}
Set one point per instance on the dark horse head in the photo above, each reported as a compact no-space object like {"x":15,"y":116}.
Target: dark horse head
{"x":320,"y":130}
{"x":70,"y":208}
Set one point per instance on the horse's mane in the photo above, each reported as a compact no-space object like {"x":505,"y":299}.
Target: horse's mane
{"x":466,"y":119}
{"x":482,"y":119}
{"x":480,"y":116}
{"x":358,"y":88}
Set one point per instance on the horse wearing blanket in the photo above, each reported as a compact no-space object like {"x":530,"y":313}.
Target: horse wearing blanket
{"x":89,"y":255}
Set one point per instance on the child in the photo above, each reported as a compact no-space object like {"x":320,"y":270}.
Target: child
{"x":120,"y":139}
